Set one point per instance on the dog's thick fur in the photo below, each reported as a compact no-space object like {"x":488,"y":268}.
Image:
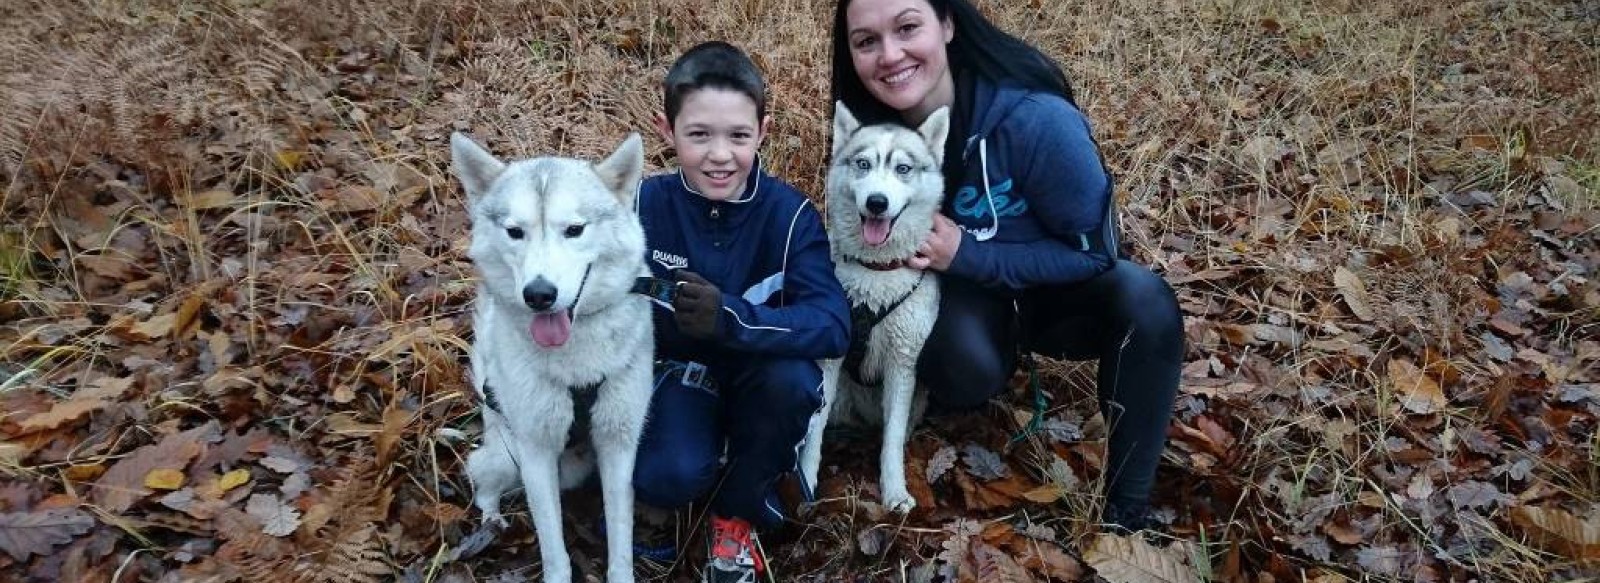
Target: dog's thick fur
{"x":554,"y":315}
{"x":900,"y":167}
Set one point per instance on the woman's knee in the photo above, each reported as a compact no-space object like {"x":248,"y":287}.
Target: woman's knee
{"x":1147,"y":303}
{"x":964,"y":380}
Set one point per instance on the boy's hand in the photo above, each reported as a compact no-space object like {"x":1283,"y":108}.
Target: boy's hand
{"x":698,"y":307}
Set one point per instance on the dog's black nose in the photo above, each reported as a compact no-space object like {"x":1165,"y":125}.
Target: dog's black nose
{"x":539,"y":295}
{"x":877,"y":203}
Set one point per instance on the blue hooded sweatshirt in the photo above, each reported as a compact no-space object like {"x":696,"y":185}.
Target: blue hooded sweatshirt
{"x":767,"y":253}
{"x":1033,"y":200}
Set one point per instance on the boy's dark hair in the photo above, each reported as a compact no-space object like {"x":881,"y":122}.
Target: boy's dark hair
{"x":979,"y":47}
{"x":714,"y":65}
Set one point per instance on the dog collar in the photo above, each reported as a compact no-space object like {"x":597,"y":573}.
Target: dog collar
{"x":883,"y":266}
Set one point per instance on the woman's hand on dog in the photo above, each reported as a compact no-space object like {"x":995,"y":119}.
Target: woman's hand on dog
{"x":940,"y":247}
{"x":698,"y":307}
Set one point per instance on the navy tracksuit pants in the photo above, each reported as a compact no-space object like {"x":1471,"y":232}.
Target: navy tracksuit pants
{"x":755,"y":410}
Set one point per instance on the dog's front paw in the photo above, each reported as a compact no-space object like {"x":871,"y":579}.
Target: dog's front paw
{"x":898,"y":500}
{"x":495,"y":520}
{"x":619,"y":574}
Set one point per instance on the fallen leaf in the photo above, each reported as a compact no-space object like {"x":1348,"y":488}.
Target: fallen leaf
{"x":113,"y":266}
{"x":870,"y":541}
{"x":186,"y":319}
{"x":353,"y":199}
{"x":289,"y":159}
{"x":1354,"y":293}
{"x":1264,"y":151}
{"x":1558,"y":531}
{"x":982,"y":496}
{"x":994,"y":565}
{"x":1061,"y":430}
{"x":35,"y":533}
{"x":123,"y":483}
{"x":1381,"y":560}
{"x":1046,"y":494}
{"x":60,"y":414}
{"x":163,"y":479}
{"x":1474,"y":494}
{"x":1130,"y":559}
{"x":1420,"y":488}
{"x":233,"y":480}
{"x":1214,"y":431}
{"x":984,"y":464}
{"x":12,"y":453}
{"x":212,"y":199}
{"x":1418,"y":393}
{"x":195,"y":504}
{"x":940,"y":462}
{"x":1478,"y":142}
{"x":395,"y":419}
{"x":445,"y":512}
{"x":294,"y":485}
{"x":1343,"y":532}
{"x":155,"y":327}
{"x":1505,"y":326}
{"x":1049,"y":560}
{"x":83,"y":472}
{"x":284,"y":460}
{"x":107,"y":387}
{"x":277,"y":519}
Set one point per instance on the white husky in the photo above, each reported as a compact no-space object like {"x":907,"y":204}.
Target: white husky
{"x":884,"y":187}
{"x":558,"y":337}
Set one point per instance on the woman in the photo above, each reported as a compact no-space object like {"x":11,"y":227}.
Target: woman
{"x":1026,"y":244}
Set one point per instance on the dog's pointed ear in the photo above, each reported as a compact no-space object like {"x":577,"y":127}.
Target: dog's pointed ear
{"x":622,"y":170}
{"x":844,"y":125}
{"x":935,"y":130}
{"x":474,"y":166}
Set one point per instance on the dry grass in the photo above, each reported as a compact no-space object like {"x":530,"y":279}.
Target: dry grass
{"x":274,"y":174}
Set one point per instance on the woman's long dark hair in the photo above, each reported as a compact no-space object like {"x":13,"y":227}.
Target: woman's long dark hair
{"x":979,"y":47}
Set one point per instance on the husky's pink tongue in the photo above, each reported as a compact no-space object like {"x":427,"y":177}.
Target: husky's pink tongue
{"x":875,"y":231}
{"x":551,"y":330}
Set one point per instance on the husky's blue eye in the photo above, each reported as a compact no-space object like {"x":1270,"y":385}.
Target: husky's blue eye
{"x":902,"y":169}
{"x":573,"y":231}
{"x":514,"y":232}
{"x":863,"y":164}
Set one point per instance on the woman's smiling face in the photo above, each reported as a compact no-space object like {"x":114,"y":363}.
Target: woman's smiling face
{"x":898,"y":49}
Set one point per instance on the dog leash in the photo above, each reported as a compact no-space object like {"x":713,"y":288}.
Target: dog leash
{"x":1031,"y":362}
{"x":655,"y":288}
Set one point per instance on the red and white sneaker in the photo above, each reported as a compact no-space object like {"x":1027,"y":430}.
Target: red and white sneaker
{"x":735,"y":553}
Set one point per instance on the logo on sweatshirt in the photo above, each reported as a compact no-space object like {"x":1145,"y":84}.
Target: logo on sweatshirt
{"x":668,"y":260}
{"x":973,"y":204}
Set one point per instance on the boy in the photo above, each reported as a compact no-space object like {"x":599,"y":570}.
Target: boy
{"x":757,"y":304}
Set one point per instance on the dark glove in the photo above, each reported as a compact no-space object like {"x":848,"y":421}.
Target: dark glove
{"x":698,"y":307}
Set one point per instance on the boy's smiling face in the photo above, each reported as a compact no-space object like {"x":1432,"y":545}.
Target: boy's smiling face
{"x":716,"y":135}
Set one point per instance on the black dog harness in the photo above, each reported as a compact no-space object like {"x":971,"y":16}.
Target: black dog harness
{"x":583,"y":398}
{"x":864,"y":319}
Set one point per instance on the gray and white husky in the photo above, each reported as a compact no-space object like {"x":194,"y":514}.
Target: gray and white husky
{"x":884,"y":187}
{"x":559,"y":342}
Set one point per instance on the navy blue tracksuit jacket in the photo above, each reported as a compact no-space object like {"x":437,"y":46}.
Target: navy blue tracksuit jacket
{"x":782,"y":309}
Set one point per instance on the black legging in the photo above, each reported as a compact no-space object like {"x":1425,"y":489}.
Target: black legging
{"x":1127,"y":317}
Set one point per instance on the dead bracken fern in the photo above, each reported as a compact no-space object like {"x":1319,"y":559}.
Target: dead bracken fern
{"x":338,"y":545}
